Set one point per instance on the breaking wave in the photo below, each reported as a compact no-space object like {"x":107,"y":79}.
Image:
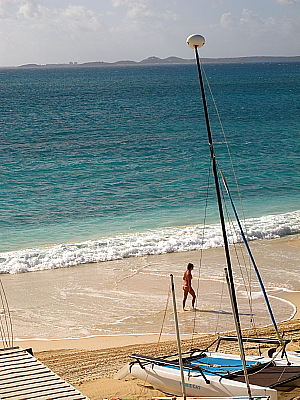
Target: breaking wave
{"x":149,"y":242}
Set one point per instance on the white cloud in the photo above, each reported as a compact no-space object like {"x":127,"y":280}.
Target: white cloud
{"x":72,"y":18}
{"x":287,"y":2}
{"x":58,"y":31}
{"x":4,"y":2}
{"x":169,"y":15}
{"x":129,"y":3}
{"x":139,"y":10}
{"x":143,"y":9}
{"x":32,"y":33}
{"x":78,"y":18}
{"x":134,"y":8}
{"x":251,"y":22}
{"x":3,"y":13}
{"x":270,"y":35}
{"x":247,"y":19}
{"x":228,"y":20}
{"x":30,"y":9}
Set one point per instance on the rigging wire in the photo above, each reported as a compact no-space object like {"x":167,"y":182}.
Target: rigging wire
{"x":241,"y":252}
{"x":279,"y":336}
{"x":201,"y":252}
{"x":205,"y":217}
{"x":235,"y":177}
{"x":220,"y":306}
{"x":240,"y":199}
{"x":226,"y":143}
{"x":228,"y":270}
{"x":159,"y":339}
{"x":228,"y":152}
{"x":208,"y":185}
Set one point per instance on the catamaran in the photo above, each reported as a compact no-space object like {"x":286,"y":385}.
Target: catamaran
{"x":209,"y":372}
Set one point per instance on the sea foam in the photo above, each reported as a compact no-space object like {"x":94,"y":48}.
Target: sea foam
{"x":149,"y":242}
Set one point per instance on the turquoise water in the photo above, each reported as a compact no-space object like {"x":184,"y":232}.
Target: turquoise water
{"x":106,"y":163}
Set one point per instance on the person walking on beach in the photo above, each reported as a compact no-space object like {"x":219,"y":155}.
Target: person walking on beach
{"x":187,"y":286}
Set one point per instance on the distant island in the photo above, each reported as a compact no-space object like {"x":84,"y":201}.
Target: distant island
{"x":170,"y":60}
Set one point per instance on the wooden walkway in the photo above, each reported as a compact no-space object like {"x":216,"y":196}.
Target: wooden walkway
{"x":23,"y":377}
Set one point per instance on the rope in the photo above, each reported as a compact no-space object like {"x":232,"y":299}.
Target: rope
{"x":246,"y":282}
{"x":159,"y":339}
{"x":201,"y":254}
{"x":220,"y":304}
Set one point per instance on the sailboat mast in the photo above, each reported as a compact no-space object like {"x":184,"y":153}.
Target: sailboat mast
{"x":195,"y":41}
{"x":217,"y":186}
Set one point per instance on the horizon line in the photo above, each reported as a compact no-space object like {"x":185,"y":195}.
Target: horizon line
{"x":154,"y":60}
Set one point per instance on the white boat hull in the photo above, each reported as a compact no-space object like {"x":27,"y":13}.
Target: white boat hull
{"x":168,"y":380}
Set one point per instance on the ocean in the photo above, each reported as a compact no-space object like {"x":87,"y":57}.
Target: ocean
{"x":111,"y":163}
{"x":100,"y":164}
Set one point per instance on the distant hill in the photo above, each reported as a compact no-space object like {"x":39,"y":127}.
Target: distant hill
{"x":170,"y":60}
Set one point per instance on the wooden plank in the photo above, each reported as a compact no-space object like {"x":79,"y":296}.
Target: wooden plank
{"x":61,"y":388}
{"x":24,"y":368}
{"x":23,"y":377}
{"x":35,"y":389}
{"x":25,"y":373}
{"x":57,"y":388}
{"x":12,"y":358}
{"x":70,"y":396}
{"x":11,"y":350}
{"x":39,"y":381}
{"x":6,"y":364}
{"x":19,"y":356}
{"x":19,"y":381}
{"x":14,"y":353}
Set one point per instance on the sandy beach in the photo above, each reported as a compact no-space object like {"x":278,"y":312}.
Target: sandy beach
{"x":90,"y":363}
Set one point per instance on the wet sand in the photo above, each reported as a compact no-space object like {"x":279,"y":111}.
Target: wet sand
{"x":129,"y":296}
{"x":90,"y":363}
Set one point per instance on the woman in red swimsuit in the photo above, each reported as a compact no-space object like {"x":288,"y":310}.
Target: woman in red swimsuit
{"x":187,"y":285}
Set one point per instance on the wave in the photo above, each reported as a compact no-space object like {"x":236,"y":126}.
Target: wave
{"x":150,"y":242}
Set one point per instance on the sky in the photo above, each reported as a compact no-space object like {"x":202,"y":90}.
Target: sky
{"x":63,"y":31}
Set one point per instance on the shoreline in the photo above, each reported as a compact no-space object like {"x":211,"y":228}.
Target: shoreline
{"x":94,"y":342}
{"x":114,"y":341}
{"x":293,"y":298}
{"x":108,"y":299}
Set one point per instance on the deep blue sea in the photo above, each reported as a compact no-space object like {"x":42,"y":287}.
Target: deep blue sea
{"x":105,"y":163}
